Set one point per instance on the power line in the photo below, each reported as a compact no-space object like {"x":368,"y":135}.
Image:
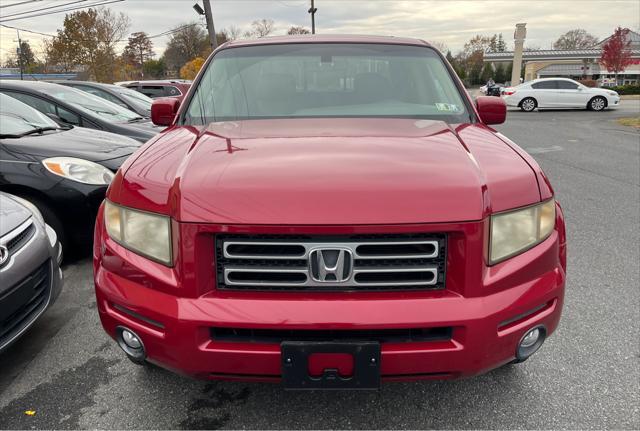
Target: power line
{"x":99,"y":3}
{"x":44,"y":8}
{"x":28,"y":31}
{"x":19,"y":3}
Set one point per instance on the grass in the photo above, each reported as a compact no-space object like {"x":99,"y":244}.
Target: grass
{"x":630,"y":121}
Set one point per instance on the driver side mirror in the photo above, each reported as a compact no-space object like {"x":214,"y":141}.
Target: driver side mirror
{"x":492,"y":110}
{"x":163,"y":111}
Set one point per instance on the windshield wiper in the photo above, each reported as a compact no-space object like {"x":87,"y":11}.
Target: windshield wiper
{"x":136,"y":119}
{"x":38,"y":130}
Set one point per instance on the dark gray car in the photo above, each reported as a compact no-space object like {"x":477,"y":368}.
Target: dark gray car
{"x":30,"y":275}
{"x":70,"y":106}
{"x":125,"y":97}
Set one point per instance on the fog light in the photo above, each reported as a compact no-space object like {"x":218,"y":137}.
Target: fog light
{"x":530,"y":342}
{"x":131,"y":344}
{"x":130,"y":339}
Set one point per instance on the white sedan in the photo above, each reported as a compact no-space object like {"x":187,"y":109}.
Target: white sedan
{"x":559,"y":93}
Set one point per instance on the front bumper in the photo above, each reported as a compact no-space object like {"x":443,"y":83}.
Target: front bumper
{"x":523,"y":292}
{"x":32,"y":281}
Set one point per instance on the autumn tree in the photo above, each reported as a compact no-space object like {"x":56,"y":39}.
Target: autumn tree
{"x":191,"y":68}
{"x":232,"y":32}
{"x":88,"y":38}
{"x":186,"y":43}
{"x":154,"y":68}
{"x":616,"y":52}
{"x":260,"y":28}
{"x":575,"y":39}
{"x":139,"y":50}
{"x":298,"y":30}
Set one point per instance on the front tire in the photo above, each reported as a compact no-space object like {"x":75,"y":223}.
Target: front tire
{"x":50,"y":218}
{"x":598,"y":103}
{"x":528,"y":104}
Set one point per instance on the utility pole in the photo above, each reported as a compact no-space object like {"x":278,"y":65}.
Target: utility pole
{"x":312,"y":10}
{"x":209,"y":17}
{"x":19,"y":52}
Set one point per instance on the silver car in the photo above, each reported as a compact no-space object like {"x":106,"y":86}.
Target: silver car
{"x":30,"y":275}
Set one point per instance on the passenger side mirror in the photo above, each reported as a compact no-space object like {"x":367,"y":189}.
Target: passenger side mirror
{"x":492,"y":110}
{"x":163,"y":111}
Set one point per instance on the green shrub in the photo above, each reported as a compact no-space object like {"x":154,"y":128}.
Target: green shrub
{"x":627,"y":89}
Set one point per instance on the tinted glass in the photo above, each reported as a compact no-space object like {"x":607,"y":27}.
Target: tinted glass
{"x":17,"y":117}
{"x":41,"y":105}
{"x":567,"y":85}
{"x":326,"y":80}
{"x":88,"y":103}
{"x":545,"y":85}
{"x":172,"y":91}
{"x":152,"y":90}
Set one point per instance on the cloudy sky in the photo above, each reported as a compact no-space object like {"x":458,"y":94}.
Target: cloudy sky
{"x":444,"y":21}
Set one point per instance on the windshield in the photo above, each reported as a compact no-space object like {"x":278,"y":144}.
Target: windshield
{"x":135,"y":98}
{"x":16,"y":118}
{"x":91,"y":104}
{"x":326,"y":80}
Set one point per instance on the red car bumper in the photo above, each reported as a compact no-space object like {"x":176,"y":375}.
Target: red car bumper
{"x":487,"y":308}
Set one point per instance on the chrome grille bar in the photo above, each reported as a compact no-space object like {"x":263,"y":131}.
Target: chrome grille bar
{"x":325,"y":263}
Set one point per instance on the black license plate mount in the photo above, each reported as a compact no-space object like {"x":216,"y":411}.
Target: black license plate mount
{"x":295,"y":366}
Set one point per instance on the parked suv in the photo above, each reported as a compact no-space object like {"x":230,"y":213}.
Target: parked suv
{"x":329,"y":212}
{"x":159,"y":88}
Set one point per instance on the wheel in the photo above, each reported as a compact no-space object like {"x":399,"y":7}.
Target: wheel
{"x":50,"y":218}
{"x":598,"y":103}
{"x":528,"y":104}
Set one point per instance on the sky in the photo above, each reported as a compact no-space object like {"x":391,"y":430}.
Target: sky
{"x":445,"y":21}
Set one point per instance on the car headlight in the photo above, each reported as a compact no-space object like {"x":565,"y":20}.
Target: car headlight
{"x":515,"y":231}
{"x":612,"y":93}
{"x":142,"y":232}
{"x":80,"y":170}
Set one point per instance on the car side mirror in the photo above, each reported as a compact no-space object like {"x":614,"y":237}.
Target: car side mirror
{"x":163,"y":111}
{"x":492,"y":110}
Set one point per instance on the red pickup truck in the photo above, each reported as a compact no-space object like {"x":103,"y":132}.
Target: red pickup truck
{"x":329,"y":212}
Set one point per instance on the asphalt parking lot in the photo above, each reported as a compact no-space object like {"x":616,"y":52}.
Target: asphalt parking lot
{"x":587,"y":376}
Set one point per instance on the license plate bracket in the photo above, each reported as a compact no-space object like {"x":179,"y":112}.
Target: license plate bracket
{"x":295,"y":360}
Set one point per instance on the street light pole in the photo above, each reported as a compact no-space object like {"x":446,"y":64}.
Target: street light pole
{"x":19,"y":52}
{"x":312,"y":10}
{"x":209,"y":17}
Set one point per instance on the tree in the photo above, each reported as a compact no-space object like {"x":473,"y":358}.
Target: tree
{"x":499,"y":74}
{"x":187,"y":42}
{"x":575,"y":39}
{"x":154,"y":68}
{"x":232,"y":32}
{"x":440,"y":46}
{"x":616,"y":52}
{"x":260,"y":28}
{"x":139,"y":49}
{"x":487,"y":72}
{"x":501,"y":45}
{"x":88,"y":38}
{"x":298,"y":30}
{"x":191,"y":69}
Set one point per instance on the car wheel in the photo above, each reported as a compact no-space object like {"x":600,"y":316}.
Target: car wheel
{"x":597,"y":103}
{"x":50,"y":218}
{"x":528,"y":104}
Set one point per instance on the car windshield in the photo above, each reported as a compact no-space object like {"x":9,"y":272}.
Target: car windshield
{"x":326,"y":80}
{"x":17,"y":118}
{"x":135,"y":98}
{"x":89,"y":103}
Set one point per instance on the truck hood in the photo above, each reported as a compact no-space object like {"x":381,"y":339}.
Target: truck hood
{"x":324,"y":172}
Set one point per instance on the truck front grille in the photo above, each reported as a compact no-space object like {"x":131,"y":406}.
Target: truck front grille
{"x":356,"y":262}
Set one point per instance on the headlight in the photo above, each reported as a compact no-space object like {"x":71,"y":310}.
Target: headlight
{"x":141,"y":232}
{"x":516,"y":231}
{"x":34,"y":209}
{"x":612,"y":93}
{"x":80,"y":170}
